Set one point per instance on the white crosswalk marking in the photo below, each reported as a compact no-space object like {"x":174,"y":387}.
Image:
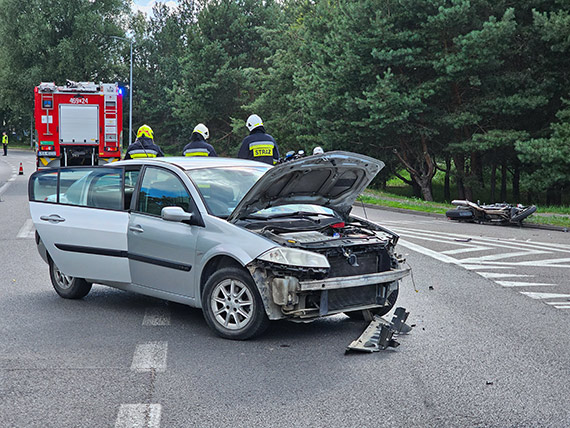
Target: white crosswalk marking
{"x":150,"y":356}
{"x":139,"y":416}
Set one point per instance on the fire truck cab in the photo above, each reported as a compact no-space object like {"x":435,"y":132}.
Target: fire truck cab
{"x":78,"y":124}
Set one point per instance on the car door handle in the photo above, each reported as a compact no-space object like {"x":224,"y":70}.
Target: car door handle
{"x":137,"y":228}
{"x":53,"y":218}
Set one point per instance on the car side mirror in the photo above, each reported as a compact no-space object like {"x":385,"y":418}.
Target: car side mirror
{"x":175,"y":214}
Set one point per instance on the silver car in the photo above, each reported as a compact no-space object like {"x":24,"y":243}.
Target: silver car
{"x":244,"y":241}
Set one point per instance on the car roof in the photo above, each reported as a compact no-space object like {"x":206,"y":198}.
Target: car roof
{"x":195,"y":162}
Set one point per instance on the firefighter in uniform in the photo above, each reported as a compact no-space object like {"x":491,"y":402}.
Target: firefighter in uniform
{"x":258,"y":145}
{"x":5,"y":143}
{"x":197,"y":145}
{"x":144,"y":146}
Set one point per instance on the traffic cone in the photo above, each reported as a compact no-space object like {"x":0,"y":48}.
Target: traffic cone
{"x":21,"y":172}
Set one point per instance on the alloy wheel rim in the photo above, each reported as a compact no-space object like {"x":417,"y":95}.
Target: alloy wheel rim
{"x":63,"y":281}
{"x":232,"y":304}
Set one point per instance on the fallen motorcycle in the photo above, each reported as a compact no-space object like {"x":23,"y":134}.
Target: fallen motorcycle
{"x":501,"y":213}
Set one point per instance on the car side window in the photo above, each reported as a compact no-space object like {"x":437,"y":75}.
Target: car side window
{"x":161,"y":188}
{"x":91,"y":187}
{"x":94,"y":187}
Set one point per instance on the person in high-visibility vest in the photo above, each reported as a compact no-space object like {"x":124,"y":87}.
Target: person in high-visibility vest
{"x":144,"y":146}
{"x":198,"y":145}
{"x":5,"y":143}
{"x":258,"y":145}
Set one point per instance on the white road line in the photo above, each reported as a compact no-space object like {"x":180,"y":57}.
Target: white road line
{"x":9,"y":181}
{"x":538,"y":296}
{"x":567,"y":303}
{"x":475,"y":267}
{"x":548,"y":261}
{"x":438,"y":256}
{"x":501,"y":275}
{"x":492,"y":257}
{"x":466,"y":250}
{"x":562,"y":307}
{"x":150,"y":356}
{"x":489,"y":241}
{"x":157,"y":316}
{"x":27,"y":230}
{"x":522,"y":284}
{"x":139,"y":416}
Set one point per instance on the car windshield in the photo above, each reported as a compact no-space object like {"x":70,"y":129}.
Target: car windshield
{"x":222,"y":188}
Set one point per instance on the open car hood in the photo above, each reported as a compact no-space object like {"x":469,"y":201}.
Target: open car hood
{"x":333,"y":180}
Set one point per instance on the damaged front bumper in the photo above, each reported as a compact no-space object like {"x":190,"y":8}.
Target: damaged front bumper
{"x":289,"y":297}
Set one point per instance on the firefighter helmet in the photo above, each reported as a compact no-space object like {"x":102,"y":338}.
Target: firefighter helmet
{"x":146,"y":131}
{"x":201,"y":129}
{"x":253,"y":122}
{"x":318,"y":150}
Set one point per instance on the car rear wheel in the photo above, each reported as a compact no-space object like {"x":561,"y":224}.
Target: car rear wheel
{"x":358,"y":315}
{"x":232,"y":305}
{"x":67,"y":286}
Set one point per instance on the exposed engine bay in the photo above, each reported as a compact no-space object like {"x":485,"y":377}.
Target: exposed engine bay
{"x":363,"y":272}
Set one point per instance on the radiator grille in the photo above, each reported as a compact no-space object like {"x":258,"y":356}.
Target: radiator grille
{"x":351,"y":297}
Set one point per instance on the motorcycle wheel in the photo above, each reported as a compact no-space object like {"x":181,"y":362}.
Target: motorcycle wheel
{"x":523,"y":214}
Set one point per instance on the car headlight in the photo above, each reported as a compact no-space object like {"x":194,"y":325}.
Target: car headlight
{"x":295,"y":257}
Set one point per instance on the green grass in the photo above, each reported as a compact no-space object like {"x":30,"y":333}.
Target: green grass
{"x":555,"y":216}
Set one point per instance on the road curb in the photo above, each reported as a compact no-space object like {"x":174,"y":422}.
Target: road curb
{"x":442,"y":216}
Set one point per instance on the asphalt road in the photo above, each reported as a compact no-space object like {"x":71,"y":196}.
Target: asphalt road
{"x":489,"y":348}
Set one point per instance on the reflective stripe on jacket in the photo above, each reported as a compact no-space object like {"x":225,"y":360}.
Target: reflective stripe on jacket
{"x":196,"y":152}
{"x":146,"y":153}
{"x":259,"y":146}
{"x":198,"y":147}
{"x":143,"y":147}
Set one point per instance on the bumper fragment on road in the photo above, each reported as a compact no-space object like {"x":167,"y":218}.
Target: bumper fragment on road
{"x":379,"y":333}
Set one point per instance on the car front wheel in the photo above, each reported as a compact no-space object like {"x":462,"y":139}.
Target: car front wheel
{"x":67,"y":286}
{"x":232,"y":305}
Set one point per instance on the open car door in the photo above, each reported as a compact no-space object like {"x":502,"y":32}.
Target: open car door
{"x":80,"y":216}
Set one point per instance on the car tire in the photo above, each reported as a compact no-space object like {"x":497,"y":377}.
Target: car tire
{"x":357,"y":315}
{"x":67,"y":286}
{"x":232,"y":305}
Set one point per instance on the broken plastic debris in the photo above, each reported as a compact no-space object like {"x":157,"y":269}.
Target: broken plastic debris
{"x":379,"y":333}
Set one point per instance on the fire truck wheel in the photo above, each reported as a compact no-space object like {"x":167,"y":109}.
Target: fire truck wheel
{"x":357,"y":315}
{"x":67,"y":286}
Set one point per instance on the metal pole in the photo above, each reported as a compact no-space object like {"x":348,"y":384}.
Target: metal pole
{"x":131,"y":99}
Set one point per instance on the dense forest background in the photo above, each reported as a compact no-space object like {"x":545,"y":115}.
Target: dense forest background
{"x":476,"y":91}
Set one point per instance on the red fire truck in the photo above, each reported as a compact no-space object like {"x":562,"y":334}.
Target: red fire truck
{"x":78,"y":124}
